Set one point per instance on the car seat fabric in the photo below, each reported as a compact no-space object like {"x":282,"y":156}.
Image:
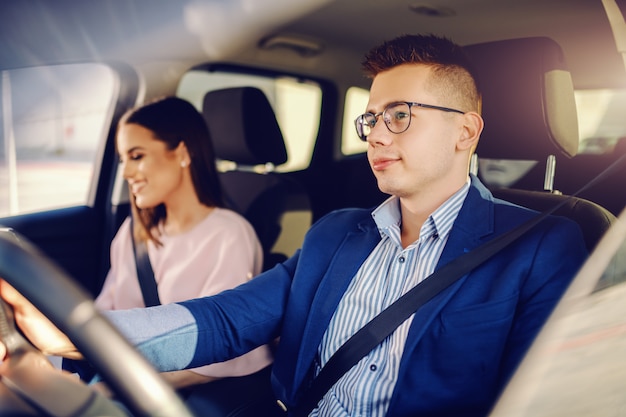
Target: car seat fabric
{"x":528,"y":99}
{"x":244,"y":127}
{"x":530,"y":113}
{"x":576,"y":172}
{"x":593,"y":219}
{"x":245,"y":131}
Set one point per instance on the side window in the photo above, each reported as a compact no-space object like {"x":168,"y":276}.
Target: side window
{"x":52,"y":122}
{"x":297,"y":105}
{"x":355,"y":104}
{"x":601,"y":121}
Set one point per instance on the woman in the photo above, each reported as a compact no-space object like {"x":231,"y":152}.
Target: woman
{"x":196,"y":247}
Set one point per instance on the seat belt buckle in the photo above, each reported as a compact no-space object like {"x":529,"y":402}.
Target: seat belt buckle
{"x":281,"y":405}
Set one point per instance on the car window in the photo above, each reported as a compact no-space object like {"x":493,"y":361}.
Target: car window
{"x":53,"y":120}
{"x":601,"y":121}
{"x":297,"y":105}
{"x":355,"y":104}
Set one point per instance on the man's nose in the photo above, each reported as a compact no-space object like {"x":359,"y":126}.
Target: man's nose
{"x":379,"y":134}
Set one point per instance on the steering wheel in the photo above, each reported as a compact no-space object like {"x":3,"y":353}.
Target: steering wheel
{"x":134,"y":381}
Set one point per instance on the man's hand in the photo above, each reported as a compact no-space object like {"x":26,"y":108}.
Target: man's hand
{"x":35,"y":326}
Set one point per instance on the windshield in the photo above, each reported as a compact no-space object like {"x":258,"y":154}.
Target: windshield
{"x":575,"y":367}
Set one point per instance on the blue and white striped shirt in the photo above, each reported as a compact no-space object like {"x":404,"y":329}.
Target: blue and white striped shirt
{"x":386,"y":274}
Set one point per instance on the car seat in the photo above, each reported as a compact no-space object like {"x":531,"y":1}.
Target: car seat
{"x":245,"y":133}
{"x":576,"y":172}
{"x":530,"y":113}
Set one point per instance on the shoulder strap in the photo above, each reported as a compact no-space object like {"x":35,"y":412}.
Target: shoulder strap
{"x":381,"y":326}
{"x":144,"y":270}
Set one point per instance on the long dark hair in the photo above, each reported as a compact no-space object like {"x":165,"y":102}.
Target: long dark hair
{"x":174,"y":120}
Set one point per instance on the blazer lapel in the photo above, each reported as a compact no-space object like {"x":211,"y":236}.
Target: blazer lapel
{"x":473,"y":226}
{"x":353,"y":251}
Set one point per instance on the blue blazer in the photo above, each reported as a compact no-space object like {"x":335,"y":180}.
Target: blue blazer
{"x":462,"y":346}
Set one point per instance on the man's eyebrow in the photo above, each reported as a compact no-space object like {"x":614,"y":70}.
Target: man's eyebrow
{"x":372,"y":111}
{"x":387,"y":104}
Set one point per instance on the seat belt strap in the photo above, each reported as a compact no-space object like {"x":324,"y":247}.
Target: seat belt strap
{"x":145,"y":274}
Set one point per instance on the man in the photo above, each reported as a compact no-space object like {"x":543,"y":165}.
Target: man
{"x":455,"y":354}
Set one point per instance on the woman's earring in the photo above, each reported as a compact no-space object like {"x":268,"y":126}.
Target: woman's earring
{"x":183,"y":164}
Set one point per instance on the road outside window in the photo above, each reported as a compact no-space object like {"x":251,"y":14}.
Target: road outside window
{"x":52,"y":122}
{"x":355,"y":105}
{"x":601,"y":120}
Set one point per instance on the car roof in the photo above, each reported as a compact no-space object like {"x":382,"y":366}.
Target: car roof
{"x":327,"y":37}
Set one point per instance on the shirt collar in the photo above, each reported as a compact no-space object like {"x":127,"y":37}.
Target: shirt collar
{"x":387,"y":215}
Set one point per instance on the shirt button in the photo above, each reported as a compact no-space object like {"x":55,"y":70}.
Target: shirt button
{"x":373,"y":367}
{"x":401,"y":259}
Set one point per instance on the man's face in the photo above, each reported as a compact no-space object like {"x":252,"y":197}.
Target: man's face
{"x":424,"y":159}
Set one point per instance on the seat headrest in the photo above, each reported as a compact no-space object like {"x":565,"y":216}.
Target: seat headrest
{"x":243,"y":126}
{"x":528,"y":99}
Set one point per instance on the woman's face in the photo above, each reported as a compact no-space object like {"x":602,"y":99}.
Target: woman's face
{"x":154,"y":173}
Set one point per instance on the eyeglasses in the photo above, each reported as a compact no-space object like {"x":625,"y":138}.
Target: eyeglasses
{"x":397,"y":117}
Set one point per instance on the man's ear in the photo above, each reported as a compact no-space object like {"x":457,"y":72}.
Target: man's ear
{"x":472,"y":128}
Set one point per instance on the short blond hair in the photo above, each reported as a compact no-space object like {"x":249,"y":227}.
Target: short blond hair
{"x":452,"y":72}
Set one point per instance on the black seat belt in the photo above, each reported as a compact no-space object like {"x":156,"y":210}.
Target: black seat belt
{"x":145,"y":274}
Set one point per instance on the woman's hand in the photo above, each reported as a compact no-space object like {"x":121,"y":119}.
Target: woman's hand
{"x":36,"y":327}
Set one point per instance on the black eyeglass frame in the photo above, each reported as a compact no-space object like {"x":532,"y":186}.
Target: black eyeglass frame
{"x":408,"y":103}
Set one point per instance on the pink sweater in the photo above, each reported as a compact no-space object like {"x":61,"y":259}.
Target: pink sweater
{"x":219,"y":253}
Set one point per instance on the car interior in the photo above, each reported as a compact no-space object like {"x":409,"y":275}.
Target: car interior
{"x":547,"y":133}
{"x":279,"y":85}
{"x":235,"y":117}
